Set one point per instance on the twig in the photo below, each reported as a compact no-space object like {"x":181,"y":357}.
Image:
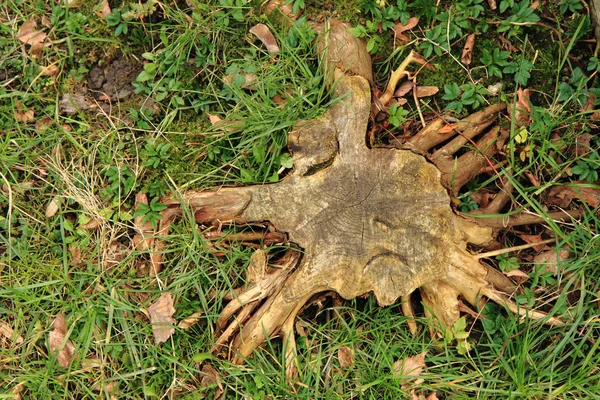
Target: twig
{"x":511,"y":249}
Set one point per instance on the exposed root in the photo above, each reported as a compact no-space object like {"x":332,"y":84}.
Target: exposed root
{"x":440,"y":131}
{"x":524,"y":312}
{"x":456,"y":172}
{"x":409,"y":312}
{"x":525,"y":218}
{"x":499,"y":201}
{"x":511,"y":249}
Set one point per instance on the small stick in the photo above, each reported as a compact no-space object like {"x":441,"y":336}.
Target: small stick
{"x":511,"y":249}
{"x":399,"y":73}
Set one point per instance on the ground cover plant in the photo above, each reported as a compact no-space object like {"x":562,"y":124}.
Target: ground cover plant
{"x":113,"y":113}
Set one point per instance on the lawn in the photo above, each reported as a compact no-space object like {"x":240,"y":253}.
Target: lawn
{"x":111,"y":113}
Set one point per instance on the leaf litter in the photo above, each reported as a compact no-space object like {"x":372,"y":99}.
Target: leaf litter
{"x":58,"y":343}
{"x":161,"y":317}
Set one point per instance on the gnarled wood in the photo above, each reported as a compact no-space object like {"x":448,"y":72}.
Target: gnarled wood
{"x":374,"y":220}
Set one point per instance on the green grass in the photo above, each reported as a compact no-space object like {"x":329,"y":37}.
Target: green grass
{"x":94,"y":162}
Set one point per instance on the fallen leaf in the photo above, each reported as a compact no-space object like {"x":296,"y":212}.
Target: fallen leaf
{"x":582,"y":145}
{"x":535,"y":5}
{"x":105,"y":10}
{"x":249,"y":81}
{"x":263,"y":33}
{"x":24,"y":115}
{"x":161,"y":317}
{"x":446,"y":129}
{"x":52,"y":207}
{"x":114,"y":255}
{"x":214,"y":118}
{"x":426,"y":91}
{"x":404,"y":89}
{"x":91,"y":363}
{"x":467,"y":53}
{"x":70,"y":104}
{"x":257,"y":266}
{"x":529,"y":239}
{"x":282,"y":6}
{"x":228,"y":125}
{"x":143,"y":239}
{"x":535,"y":181}
{"x":562,"y":196}
{"x":522,"y":114}
{"x":190,"y":320}
{"x":42,"y":124}
{"x":492,"y":4}
{"x":400,"y":28}
{"x":31,"y":36}
{"x":507,"y":45}
{"x":494,"y":90}
{"x":345,"y":357}
{"x":75,"y":254}
{"x":211,"y":377}
{"x":50,"y":70}
{"x":410,"y":368}
{"x":92,"y":224}
{"x":551,"y":258}
{"x":518,"y":275}
{"x":64,"y":349}
{"x":9,"y":333}
{"x":16,"y":391}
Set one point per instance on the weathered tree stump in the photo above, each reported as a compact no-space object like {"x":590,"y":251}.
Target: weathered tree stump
{"x":372,"y":220}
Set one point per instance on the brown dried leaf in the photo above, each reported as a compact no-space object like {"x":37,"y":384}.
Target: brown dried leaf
{"x":529,"y":239}
{"x":518,"y":275}
{"x":404,"y":88}
{"x":91,"y":363}
{"x":467,"y":54}
{"x":446,"y":129}
{"x":492,"y":4}
{"x":143,"y":239}
{"x":214,"y":118}
{"x":190,"y":320}
{"x":563,"y":195}
{"x":92,"y":224}
{"x":161,"y":317}
{"x":105,"y":10}
{"x":73,"y":103}
{"x":249,"y":81}
{"x":257,"y":266}
{"x":52,"y":207}
{"x":9,"y":333}
{"x":507,"y":45}
{"x":228,"y":125}
{"x":42,"y":124}
{"x":426,"y":91}
{"x":410,"y":368}
{"x":282,"y":6}
{"x":16,"y":391}
{"x":211,"y":377}
{"x":399,"y":29}
{"x":24,"y":115}
{"x":551,"y":258}
{"x":29,"y":35}
{"x":345,"y":357}
{"x":64,"y":350}
{"x":263,"y":33}
{"x":50,"y":70}
{"x":522,"y":114}
{"x":75,"y":254}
